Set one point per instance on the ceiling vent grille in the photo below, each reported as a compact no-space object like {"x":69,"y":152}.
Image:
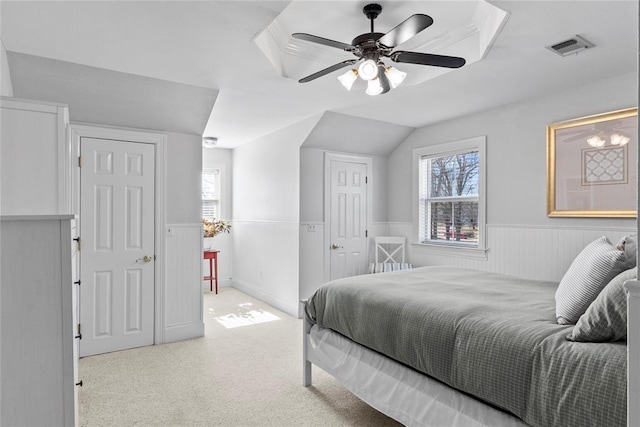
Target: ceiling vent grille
{"x":570,"y":46}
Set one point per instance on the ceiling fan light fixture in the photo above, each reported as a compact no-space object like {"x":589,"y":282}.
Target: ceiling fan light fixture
{"x":395,"y":76}
{"x":619,"y":139}
{"x":368,"y":70}
{"x":595,"y":141}
{"x":374,"y":87}
{"x":348,"y":79}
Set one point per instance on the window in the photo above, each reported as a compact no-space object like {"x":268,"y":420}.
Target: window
{"x":211,"y":194}
{"x":451,"y":194}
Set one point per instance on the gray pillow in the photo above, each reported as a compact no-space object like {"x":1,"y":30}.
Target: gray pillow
{"x":606,"y":318}
{"x":593,"y":268}
{"x":628,"y":244}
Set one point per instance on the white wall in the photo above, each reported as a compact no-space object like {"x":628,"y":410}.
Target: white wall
{"x":266,"y":212}
{"x":184,"y":163}
{"x":221,"y":158}
{"x":183,"y":254}
{"x":6,"y":89}
{"x":516,"y":166}
{"x":314,"y":251}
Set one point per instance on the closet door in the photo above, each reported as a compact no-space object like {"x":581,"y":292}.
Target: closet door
{"x":117,"y":211}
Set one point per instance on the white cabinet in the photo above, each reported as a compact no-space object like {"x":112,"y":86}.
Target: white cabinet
{"x":38,"y":358}
{"x":34,"y":160}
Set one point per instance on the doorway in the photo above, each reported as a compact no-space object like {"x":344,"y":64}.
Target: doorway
{"x":117,"y":191}
{"x":347,"y":212}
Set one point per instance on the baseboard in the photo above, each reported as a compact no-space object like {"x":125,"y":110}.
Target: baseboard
{"x":254,"y":291}
{"x":183,"y":332}
{"x":222,"y":283}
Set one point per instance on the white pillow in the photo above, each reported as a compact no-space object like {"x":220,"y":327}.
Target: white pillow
{"x":593,"y":268}
{"x":628,"y":245}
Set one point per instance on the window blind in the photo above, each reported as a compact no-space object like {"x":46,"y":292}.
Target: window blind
{"x":211,"y":194}
{"x":449,"y":197}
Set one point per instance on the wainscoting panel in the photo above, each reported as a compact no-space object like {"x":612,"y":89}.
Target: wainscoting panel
{"x":312,"y":258}
{"x":183,"y":282}
{"x":535,"y":252}
{"x":541,"y":252}
{"x":314,"y":253}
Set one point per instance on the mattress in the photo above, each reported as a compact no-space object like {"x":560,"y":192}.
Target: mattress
{"x":492,"y":336}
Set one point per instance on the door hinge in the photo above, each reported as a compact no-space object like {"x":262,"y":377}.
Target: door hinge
{"x":366,"y":233}
{"x":366,"y":179}
{"x":79,"y":329}
{"x":79,"y":161}
{"x":77,"y":240}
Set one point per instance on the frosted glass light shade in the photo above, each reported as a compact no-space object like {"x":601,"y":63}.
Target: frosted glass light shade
{"x":374,"y":87}
{"x":348,"y":79}
{"x":618,"y":139}
{"x":395,"y":76}
{"x":368,"y":70}
{"x":595,"y":141}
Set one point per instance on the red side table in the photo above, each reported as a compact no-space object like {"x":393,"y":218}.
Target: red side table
{"x":212,"y":256}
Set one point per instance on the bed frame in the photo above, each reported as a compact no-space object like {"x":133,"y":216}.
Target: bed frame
{"x":431,"y":394}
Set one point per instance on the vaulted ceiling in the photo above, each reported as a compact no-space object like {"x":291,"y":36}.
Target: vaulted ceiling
{"x":201,"y":67}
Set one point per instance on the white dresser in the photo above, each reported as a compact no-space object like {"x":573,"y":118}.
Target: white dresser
{"x":38,"y":321}
{"x":35,"y":162}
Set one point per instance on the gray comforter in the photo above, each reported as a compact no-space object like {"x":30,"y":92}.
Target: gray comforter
{"x":489,"y":335}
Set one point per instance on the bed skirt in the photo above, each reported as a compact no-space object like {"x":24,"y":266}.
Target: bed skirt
{"x":394,"y":389}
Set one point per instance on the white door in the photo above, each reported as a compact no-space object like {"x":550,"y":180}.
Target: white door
{"x":117,"y":251}
{"x":348,"y":227}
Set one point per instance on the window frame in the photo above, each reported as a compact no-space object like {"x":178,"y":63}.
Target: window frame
{"x":442,"y":150}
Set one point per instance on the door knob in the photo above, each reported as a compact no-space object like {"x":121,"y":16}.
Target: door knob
{"x":145,"y":258}
{"x":334,"y":246}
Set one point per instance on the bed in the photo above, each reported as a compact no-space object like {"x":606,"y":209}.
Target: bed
{"x":451,"y":346}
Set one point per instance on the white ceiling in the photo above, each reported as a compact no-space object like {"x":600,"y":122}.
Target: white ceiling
{"x":208,"y":48}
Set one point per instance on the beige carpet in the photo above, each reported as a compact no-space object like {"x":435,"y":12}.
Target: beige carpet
{"x":245,"y":371}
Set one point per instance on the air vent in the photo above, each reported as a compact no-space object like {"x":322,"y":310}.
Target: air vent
{"x":571,"y":46}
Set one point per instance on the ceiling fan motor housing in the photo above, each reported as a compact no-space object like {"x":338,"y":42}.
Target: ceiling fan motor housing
{"x":366,"y":46}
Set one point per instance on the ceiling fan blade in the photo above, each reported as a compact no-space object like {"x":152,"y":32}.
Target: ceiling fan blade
{"x":406,"y":30}
{"x":322,"y":41}
{"x":577,"y":138}
{"x":427,"y":59}
{"x":328,"y":70}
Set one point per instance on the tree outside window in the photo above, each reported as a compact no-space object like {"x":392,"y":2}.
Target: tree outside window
{"x":450,"y":196}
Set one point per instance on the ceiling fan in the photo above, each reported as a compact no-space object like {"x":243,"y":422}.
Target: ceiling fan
{"x":370,"y":48}
{"x":598,"y":134}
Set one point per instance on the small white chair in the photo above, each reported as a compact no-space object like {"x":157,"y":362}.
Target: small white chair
{"x":389,"y":255}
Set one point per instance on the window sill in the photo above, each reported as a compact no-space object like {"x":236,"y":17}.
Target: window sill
{"x":450,"y":250}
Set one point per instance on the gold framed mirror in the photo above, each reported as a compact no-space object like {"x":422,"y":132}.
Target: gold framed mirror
{"x":592,"y":166}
